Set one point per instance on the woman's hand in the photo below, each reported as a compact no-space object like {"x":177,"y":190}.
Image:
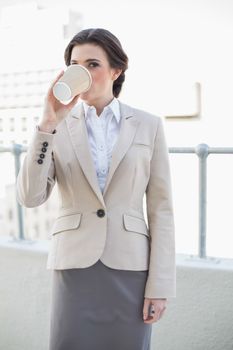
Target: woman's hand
{"x":158,"y":305}
{"x":54,"y":111}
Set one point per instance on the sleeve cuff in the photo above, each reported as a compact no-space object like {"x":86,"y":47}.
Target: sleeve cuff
{"x":38,"y":129}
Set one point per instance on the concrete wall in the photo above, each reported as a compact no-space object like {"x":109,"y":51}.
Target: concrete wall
{"x":24,"y":296}
{"x":199,"y":318}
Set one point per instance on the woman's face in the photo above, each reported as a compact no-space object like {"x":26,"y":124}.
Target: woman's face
{"x":94,"y":58}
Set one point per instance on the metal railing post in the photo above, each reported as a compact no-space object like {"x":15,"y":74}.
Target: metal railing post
{"x":17,"y":150}
{"x":202,"y":151}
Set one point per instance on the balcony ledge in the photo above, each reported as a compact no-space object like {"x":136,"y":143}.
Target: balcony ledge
{"x":199,"y":317}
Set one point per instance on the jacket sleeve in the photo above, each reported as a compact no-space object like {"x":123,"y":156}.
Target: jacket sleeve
{"x":36,"y":177}
{"x":161,"y":281}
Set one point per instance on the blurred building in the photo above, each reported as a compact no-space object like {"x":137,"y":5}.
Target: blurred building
{"x":21,"y":102}
{"x":23,"y":85}
{"x":24,"y":82}
{"x":37,"y":221}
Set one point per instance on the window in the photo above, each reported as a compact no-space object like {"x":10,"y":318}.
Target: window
{"x":12,"y":124}
{"x":10,"y":214}
{"x":24,"y":123}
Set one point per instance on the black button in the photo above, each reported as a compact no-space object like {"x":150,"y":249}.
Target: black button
{"x":42,"y":155}
{"x":43,"y":149}
{"x":40,"y":161}
{"x":100,"y":213}
{"x":45,"y":144}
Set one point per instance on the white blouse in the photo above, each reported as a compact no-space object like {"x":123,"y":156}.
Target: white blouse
{"x":102,"y":132}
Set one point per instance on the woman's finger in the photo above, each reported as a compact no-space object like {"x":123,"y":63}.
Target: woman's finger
{"x":55,"y":80}
{"x":145,"y":308}
{"x":73,"y":102}
{"x":155,"y":313}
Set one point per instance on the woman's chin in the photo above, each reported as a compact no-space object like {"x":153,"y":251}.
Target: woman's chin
{"x":85,"y":96}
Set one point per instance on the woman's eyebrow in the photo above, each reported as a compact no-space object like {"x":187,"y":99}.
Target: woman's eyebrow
{"x":88,"y":60}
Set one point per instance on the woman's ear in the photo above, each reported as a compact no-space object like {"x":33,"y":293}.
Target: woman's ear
{"x":116,"y":74}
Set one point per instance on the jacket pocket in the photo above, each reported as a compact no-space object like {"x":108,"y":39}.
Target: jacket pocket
{"x":66,"y":222}
{"x":135,"y":224}
{"x":142,"y":144}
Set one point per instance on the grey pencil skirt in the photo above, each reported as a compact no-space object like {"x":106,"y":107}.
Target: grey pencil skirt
{"x":98,"y":308}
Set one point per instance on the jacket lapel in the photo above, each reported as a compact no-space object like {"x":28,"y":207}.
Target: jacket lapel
{"x":79,"y":138}
{"x":127,"y":132}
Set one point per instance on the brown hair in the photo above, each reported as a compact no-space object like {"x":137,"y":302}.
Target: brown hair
{"x":110,"y":44}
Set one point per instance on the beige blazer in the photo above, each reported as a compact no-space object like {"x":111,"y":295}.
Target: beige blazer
{"x":109,"y":226}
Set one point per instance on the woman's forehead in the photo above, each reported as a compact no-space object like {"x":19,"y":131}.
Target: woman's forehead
{"x":88,"y":51}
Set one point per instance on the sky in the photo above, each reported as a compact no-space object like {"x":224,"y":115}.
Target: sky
{"x":171,"y":45}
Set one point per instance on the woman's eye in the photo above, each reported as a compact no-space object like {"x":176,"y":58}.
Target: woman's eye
{"x":94,"y":64}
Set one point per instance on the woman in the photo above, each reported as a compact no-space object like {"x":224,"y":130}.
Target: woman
{"x":112,"y":274}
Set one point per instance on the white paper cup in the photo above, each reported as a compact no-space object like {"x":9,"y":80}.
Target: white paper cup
{"x":75,"y":80}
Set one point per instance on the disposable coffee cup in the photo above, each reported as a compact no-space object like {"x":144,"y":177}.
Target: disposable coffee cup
{"x":75,"y":80}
